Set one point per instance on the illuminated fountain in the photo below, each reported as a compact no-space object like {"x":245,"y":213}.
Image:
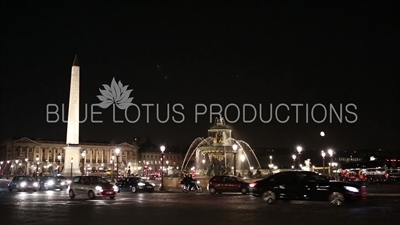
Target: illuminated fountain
{"x":215,"y":155}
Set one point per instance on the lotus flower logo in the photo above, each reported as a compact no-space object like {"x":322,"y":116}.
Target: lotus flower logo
{"x":115,"y":94}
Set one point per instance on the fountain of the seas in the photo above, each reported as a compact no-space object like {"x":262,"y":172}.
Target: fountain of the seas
{"x":215,"y":154}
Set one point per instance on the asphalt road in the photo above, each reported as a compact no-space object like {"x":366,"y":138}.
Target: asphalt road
{"x":55,"y":208}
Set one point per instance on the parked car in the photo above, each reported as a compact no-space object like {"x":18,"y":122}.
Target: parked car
{"x":134,"y":184}
{"x":92,"y":187}
{"x":305,"y":185}
{"x":23,"y":183}
{"x":225,"y":183}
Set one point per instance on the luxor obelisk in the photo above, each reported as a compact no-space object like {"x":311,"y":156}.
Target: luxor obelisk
{"x":72,"y":150}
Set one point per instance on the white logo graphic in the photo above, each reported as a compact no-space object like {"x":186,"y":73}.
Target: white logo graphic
{"x":116,"y":94}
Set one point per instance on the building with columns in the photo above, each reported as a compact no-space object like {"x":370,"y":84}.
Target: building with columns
{"x":150,"y":158}
{"x":25,"y":156}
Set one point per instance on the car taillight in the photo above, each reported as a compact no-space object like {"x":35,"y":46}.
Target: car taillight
{"x":253,"y":184}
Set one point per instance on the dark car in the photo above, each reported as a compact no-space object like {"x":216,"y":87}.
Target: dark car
{"x":134,"y":184}
{"x":219,"y":184}
{"x":92,"y":187}
{"x":305,"y":185}
{"x":23,"y":183}
{"x":51,"y":183}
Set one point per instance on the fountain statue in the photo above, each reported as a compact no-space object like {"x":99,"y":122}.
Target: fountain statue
{"x":214,"y":155}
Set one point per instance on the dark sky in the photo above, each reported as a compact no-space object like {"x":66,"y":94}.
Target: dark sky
{"x":205,"y":52}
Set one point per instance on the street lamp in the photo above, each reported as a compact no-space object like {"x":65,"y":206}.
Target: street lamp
{"x":8,"y":171}
{"x":299,"y":149}
{"x":84,"y":159}
{"x":234,"y":147}
{"x":162,"y":149}
{"x":59,"y":159}
{"x":16,"y":167}
{"x":323,"y":154}
{"x":72,"y":163}
{"x":117,"y":151}
{"x":294,"y":161}
{"x":330,"y":153}
{"x":112,"y":165}
{"x":322,"y":134}
{"x":37,"y":166}
{"x":270,"y":159}
{"x":26,"y":166}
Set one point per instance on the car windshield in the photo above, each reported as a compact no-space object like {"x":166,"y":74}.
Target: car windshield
{"x":61,"y":177}
{"x":138,"y":180}
{"x":98,"y":180}
{"x":25,"y":179}
{"x":239,"y":179}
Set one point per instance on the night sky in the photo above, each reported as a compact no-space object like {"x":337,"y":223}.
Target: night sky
{"x":205,"y":52}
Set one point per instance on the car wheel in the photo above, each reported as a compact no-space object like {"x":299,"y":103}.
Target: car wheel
{"x":133,"y":189}
{"x":91,"y":195}
{"x":212,"y":190}
{"x":150,"y":191}
{"x":336,"y":198}
{"x":244,"y":191}
{"x":71,"y":194}
{"x":269,"y":197}
{"x":200,"y":189}
{"x":112,"y":197}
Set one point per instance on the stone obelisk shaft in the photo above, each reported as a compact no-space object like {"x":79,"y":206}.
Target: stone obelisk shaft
{"x":73,"y":108}
{"x":72,"y":150}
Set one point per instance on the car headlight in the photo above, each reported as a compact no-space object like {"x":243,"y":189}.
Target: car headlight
{"x":141,"y":184}
{"x":351,"y":189}
{"x":22,"y":184}
{"x":98,"y":188}
{"x":50,"y":182}
{"x":115,"y":187}
{"x":153,"y":184}
{"x":68,"y":181}
{"x":63,"y":183}
{"x":35,"y":184}
{"x":198,"y":182}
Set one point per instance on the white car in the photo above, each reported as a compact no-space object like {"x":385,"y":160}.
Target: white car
{"x":92,"y":187}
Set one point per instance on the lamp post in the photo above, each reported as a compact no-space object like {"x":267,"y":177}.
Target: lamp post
{"x":84,"y":159}
{"x":59,"y":159}
{"x":26,"y":166}
{"x":299,"y":149}
{"x":330,"y":153}
{"x":234,"y":147}
{"x":37,"y":166}
{"x":112,"y":165}
{"x":117,"y":151}
{"x":323,"y":154}
{"x":72,"y":163}
{"x":294,"y":161}
{"x":16,"y":167}
{"x":129,"y":168}
{"x":8,"y":172}
{"x":162,"y":149}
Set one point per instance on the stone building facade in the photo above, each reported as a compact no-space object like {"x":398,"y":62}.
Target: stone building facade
{"x":25,"y":155}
